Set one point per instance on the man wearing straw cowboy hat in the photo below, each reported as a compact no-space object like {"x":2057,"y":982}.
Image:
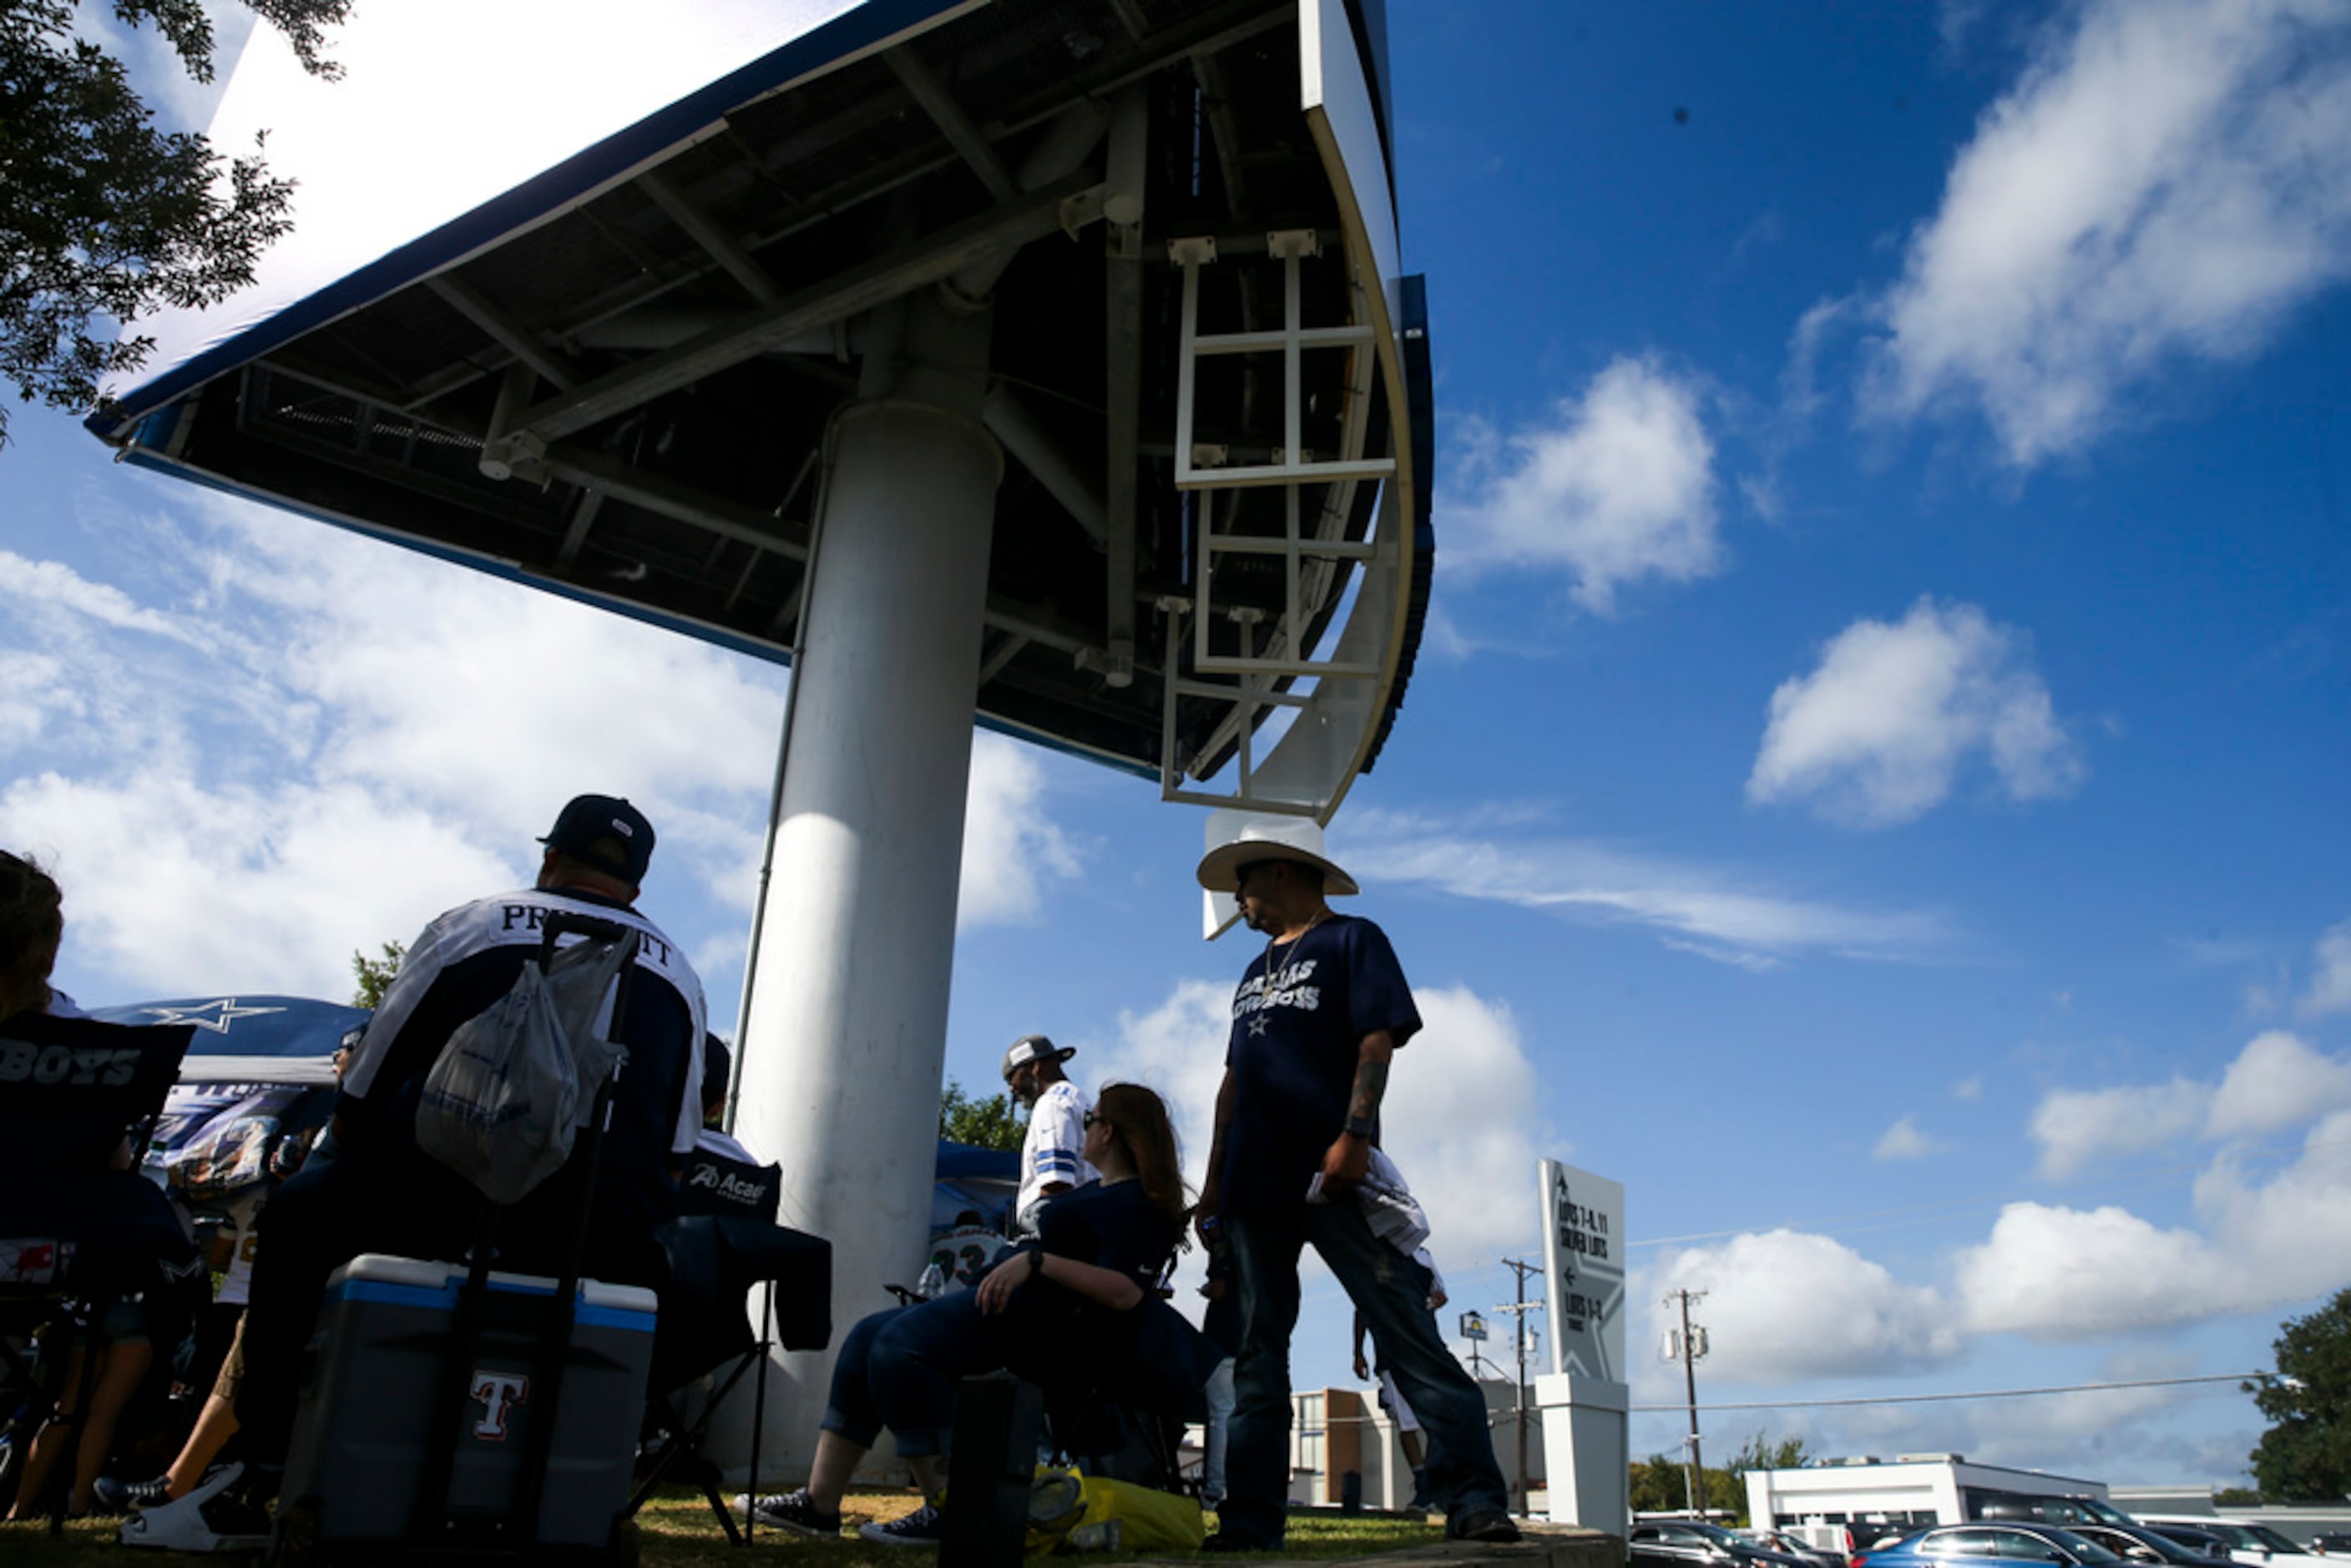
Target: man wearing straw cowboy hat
{"x":1317,"y":1018}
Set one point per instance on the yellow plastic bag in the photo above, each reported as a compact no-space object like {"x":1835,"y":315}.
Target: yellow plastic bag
{"x":1069,"y":1510}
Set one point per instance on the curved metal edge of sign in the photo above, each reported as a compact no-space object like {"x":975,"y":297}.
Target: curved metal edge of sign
{"x":1340,"y":116}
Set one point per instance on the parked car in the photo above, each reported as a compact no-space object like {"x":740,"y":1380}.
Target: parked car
{"x":2331,"y":1543}
{"x":1788,"y":1545}
{"x":1689,"y":1543}
{"x":2043,"y":1508}
{"x":2248,"y":1543}
{"x":2140,"y":1543}
{"x":1990,"y":1546}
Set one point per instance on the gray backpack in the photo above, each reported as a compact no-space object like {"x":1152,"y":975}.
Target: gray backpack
{"x":515,"y":1082}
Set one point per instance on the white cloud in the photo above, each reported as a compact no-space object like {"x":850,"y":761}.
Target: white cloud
{"x":2330,"y":980}
{"x":1785,"y":1305}
{"x":2069,"y":1274}
{"x":1904,"y":1141}
{"x":2074,"y":1273}
{"x":1699,"y":910}
{"x":2277,"y":1080}
{"x":2286,"y":1237}
{"x":1011,"y":846}
{"x":2167,"y":183}
{"x":2078,"y":1127}
{"x":1616,"y":487}
{"x":282,"y":743}
{"x":1460,"y":1122}
{"x":1876,"y":733}
{"x":1178,"y":1049}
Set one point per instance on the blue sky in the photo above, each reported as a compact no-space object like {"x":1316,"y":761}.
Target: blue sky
{"x":1873,"y":784}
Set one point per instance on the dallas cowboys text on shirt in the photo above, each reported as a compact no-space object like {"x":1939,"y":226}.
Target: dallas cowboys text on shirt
{"x":1282,"y":988}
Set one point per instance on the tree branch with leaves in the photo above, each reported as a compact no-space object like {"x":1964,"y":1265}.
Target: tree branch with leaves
{"x":103,"y":217}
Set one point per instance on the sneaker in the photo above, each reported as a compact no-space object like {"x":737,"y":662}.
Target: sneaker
{"x":115,"y":1495}
{"x":206,"y":1520}
{"x":793,"y":1511}
{"x":920,"y":1528}
{"x":1488,"y":1524}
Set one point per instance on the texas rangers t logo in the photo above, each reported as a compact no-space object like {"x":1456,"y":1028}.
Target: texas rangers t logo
{"x":497,"y":1390}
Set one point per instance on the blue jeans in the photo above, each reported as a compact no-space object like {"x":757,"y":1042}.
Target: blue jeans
{"x":899,"y":1368}
{"x":1391,"y":1292}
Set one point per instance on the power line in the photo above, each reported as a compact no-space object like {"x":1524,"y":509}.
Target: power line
{"x":1984,"y":1393}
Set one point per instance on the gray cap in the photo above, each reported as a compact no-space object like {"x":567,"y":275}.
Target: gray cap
{"x":1031,"y":1048}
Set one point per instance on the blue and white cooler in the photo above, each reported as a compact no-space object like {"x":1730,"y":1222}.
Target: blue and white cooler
{"x":375,"y":1370}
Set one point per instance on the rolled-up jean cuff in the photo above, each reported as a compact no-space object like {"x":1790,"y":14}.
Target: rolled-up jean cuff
{"x":920,"y":1445}
{"x":842,"y":1426}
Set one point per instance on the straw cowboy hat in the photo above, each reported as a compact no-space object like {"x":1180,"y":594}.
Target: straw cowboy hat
{"x":1272,"y":839}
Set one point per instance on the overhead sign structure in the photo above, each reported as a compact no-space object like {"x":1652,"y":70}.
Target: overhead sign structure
{"x":1039,"y":363}
{"x":1584,"y":1262}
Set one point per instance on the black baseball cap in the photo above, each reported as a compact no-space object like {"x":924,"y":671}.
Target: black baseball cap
{"x":606,"y":832}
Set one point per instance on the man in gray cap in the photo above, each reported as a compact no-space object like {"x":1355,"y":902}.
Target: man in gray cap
{"x":1050,"y":1157}
{"x":1318,"y":1017}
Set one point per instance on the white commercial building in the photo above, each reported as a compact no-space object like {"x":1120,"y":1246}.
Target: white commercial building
{"x":1917,"y":1488}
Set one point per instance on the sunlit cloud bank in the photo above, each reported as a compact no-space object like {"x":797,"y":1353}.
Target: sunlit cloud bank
{"x":2276,"y":1083}
{"x":2165,"y":183}
{"x":2264,"y":1231}
{"x":253,"y":745}
{"x":1784,"y":1305}
{"x":2330,"y":980}
{"x":1712,"y":912}
{"x":1610,"y":489}
{"x":1877,"y":734}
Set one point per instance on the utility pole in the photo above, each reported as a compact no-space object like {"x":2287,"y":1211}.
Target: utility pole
{"x":1519,"y":1310}
{"x":1691,"y":1343}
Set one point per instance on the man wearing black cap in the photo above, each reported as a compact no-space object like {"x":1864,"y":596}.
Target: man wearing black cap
{"x":384,"y":1195}
{"x":1053,"y":1158}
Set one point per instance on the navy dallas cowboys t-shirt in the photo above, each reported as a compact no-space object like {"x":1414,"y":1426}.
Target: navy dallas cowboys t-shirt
{"x":1295,"y":1039}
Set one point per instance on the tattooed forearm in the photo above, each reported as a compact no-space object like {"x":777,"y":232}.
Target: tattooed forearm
{"x":1371,"y":1086}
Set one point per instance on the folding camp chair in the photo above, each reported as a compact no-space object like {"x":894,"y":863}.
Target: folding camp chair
{"x":725,"y":1244}
{"x":78,"y":1225}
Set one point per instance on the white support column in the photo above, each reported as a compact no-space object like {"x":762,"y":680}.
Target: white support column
{"x":1584,"y":1448}
{"x":845,"y":1031}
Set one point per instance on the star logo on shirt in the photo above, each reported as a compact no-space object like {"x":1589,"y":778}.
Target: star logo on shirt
{"x":1256,"y":1027}
{"x":214,"y":1016}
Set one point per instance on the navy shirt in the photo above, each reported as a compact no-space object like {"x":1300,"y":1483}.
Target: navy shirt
{"x":1112,"y":1227}
{"x":1297,"y":1035}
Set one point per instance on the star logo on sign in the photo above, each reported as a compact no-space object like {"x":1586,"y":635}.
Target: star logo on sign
{"x":213,"y":1016}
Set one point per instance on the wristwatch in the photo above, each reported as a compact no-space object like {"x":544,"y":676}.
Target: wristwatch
{"x":1362,"y":1127}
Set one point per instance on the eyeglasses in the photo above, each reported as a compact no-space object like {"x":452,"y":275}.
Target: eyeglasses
{"x":1091,"y":1118}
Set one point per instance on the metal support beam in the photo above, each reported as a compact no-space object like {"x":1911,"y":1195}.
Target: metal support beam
{"x":902,"y":271}
{"x":927,"y":90}
{"x":1010,"y":421}
{"x":583,"y":518}
{"x":1122,"y":333}
{"x":721,"y":246}
{"x":729,"y":520}
{"x":509,"y":334}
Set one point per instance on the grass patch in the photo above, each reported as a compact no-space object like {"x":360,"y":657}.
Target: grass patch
{"x":679,"y":1532}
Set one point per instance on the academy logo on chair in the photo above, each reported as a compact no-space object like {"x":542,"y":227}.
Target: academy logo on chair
{"x":497,"y":1393}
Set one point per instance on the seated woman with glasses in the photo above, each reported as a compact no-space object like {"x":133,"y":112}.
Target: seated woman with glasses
{"x":1078,"y":1295}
